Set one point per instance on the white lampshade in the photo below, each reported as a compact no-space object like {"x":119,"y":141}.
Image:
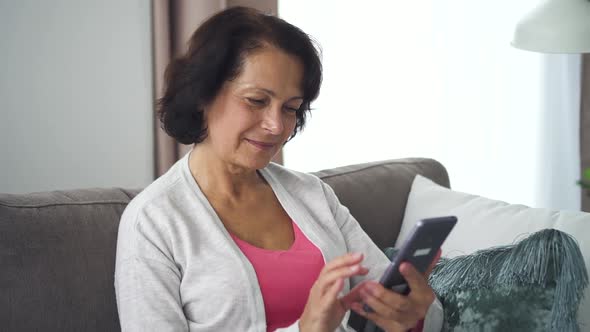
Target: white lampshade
{"x":556,"y":26}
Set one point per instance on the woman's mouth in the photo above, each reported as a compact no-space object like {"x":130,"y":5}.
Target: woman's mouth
{"x":261,"y":145}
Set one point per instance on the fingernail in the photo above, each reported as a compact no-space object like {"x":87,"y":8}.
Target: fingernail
{"x":357,"y":255}
{"x":403,"y":268}
{"x":354,"y":268}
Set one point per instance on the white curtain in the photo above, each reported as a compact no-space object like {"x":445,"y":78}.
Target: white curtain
{"x":439,"y":79}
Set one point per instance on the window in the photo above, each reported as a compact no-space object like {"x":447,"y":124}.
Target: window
{"x":435,"y":79}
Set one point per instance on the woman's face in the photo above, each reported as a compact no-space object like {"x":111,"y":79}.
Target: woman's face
{"x":254,"y":114}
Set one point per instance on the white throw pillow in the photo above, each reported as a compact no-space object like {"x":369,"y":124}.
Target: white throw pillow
{"x":484,"y":223}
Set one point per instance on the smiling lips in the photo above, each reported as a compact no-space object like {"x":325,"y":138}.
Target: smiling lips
{"x":261,"y":145}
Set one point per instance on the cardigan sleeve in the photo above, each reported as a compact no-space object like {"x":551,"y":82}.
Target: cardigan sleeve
{"x":358,"y":241}
{"x":147,"y":282}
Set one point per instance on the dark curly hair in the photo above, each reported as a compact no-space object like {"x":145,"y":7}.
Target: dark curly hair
{"x":216,"y":53}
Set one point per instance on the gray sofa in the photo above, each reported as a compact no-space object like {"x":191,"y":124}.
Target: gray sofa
{"x":57,"y":249}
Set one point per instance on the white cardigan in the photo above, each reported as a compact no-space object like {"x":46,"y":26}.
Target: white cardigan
{"x":178,"y":269}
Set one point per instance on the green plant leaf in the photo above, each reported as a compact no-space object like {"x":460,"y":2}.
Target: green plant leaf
{"x":586,"y":174}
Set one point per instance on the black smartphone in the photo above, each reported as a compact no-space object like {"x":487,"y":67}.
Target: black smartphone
{"x":419,"y":249}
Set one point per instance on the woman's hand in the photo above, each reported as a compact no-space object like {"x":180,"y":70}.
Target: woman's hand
{"x":324,"y":310}
{"x":393,"y":311}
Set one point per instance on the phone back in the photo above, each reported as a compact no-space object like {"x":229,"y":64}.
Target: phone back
{"x":420,"y":247}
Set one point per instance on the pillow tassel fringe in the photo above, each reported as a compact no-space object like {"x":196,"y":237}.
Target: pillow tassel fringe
{"x":547,"y":256}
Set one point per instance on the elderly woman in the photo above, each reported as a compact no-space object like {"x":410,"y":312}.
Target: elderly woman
{"x":226,"y":240}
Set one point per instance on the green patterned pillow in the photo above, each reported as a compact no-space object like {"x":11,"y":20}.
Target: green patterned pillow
{"x":534,"y":285}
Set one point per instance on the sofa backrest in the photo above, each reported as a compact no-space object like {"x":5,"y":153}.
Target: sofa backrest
{"x":57,"y":249}
{"x":376,"y":193}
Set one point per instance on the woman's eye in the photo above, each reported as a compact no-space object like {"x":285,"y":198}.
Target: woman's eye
{"x":254,"y":101}
{"x":291,"y":109}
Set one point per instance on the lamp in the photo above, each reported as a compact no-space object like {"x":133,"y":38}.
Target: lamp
{"x":555,"y":26}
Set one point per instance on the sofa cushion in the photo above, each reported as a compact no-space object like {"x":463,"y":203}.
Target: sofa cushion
{"x":57,"y":253}
{"x":484,"y":223}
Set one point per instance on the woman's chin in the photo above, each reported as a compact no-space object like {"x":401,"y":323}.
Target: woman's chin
{"x":256,"y":163}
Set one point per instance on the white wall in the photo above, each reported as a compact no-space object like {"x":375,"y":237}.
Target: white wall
{"x":439,"y":79}
{"x":75,"y":94}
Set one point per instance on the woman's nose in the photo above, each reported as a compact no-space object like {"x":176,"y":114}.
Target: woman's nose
{"x":273,"y":120}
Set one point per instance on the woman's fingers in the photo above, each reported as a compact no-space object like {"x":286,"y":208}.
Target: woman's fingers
{"x":420,"y":290}
{"x":353,"y":296}
{"x":380,"y":308}
{"x":390,"y":299}
{"x":332,"y":292}
{"x":392,"y":308}
{"x":381,"y":321}
{"x":343,"y":272}
{"x":433,"y":264}
{"x":344,"y":260}
{"x":323,"y":304}
{"x":389,"y":309}
{"x":340,"y":268}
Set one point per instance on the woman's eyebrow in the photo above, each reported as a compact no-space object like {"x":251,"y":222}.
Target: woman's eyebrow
{"x":272,"y":93}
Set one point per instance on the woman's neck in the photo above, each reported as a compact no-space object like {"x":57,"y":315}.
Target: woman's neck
{"x":220,"y":179}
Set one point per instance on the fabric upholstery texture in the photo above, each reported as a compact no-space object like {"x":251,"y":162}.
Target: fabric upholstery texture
{"x":377,"y":192}
{"x":57,"y":249}
{"x":57,"y":254}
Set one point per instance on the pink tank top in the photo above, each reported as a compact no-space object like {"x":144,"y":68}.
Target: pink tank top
{"x":285,"y":277}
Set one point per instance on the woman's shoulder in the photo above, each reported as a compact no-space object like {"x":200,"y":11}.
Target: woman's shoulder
{"x":157,"y":195}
